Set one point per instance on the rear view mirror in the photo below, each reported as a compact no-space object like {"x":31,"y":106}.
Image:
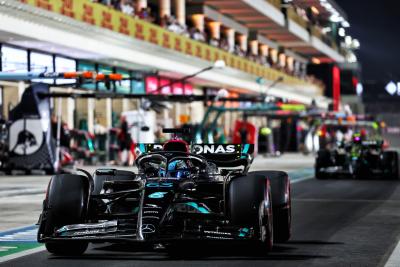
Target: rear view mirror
{"x":145,"y":129}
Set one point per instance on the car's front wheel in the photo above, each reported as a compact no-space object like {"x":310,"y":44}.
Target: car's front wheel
{"x":66,"y":203}
{"x":250,"y":205}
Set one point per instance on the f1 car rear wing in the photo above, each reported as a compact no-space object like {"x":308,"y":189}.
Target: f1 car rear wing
{"x":220,"y":152}
{"x":372,"y":143}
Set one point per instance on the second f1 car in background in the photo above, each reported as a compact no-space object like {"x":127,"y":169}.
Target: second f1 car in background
{"x":363,"y":156}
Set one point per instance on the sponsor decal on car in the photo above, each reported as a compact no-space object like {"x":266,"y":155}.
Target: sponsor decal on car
{"x":163,"y":184}
{"x":214,"y":149}
{"x":217,"y":233}
{"x":157,"y":195}
{"x":191,"y":207}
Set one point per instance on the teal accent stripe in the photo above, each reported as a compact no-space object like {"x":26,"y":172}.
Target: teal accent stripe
{"x":157,"y":195}
{"x":243,"y":232}
{"x":200,"y":209}
{"x":142,"y":148}
{"x":246,"y":148}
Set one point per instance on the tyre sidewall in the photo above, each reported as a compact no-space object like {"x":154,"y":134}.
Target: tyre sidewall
{"x":66,"y":202}
{"x":250,"y":204}
{"x":281,"y":199}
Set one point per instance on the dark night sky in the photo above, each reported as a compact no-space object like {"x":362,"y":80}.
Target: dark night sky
{"x":376,"y":23}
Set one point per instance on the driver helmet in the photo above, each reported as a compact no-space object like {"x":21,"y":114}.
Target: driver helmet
{"x":176,"y":169}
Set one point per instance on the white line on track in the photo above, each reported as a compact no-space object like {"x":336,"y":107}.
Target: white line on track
{"x":21,"y":254}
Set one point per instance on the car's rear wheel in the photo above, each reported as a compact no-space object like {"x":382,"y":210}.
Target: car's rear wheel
{"x":66,"y":203}
{"x":323,"y":160}
{"x":391,"y":163}
{"x":250,"y":205}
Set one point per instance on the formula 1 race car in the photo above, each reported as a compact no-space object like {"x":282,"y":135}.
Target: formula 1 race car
{"x":180,"y":192}
{"x":357,"y":159}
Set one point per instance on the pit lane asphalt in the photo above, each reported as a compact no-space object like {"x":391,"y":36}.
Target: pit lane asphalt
{"x":335,"y":223}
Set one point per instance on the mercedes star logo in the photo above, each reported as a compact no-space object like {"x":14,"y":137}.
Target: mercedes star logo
{"x":148,"y":228}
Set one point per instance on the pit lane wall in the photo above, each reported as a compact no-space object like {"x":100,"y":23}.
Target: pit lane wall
{"x":108,"y":18}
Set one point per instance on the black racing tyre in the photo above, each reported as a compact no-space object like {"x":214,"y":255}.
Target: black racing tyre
{"x":323,"y":160}
{"x":66,"y":203}
{"x":391,"y":164}
{"x":281,"y":199}
{"x":250,"y":204}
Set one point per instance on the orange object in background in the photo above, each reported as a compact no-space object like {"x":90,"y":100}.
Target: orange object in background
{"x":183,"y":118}
{"x":74,"y":75}
{"x":251,"y":133}
{"x":93,"y":75}
{"x":352,"y":118}
{"x":111,"y":76}
{"x":100,"y":77}
{"x":87,"y":75}
{"x":70,"y":75}
{"x":115,"y":76}
{"x":322,"y":131}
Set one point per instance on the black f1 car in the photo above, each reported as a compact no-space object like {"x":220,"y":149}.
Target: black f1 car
{"x":180,"y":192}
{"x":357,"y":159}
